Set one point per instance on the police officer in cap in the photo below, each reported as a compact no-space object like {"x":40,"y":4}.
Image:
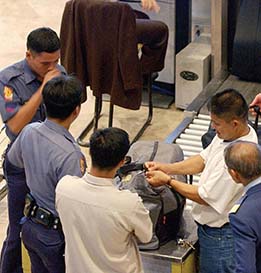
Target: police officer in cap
{"x":21,"y":86}
{"x":47,"y":152}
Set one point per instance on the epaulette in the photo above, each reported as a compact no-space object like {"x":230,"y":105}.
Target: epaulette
{"x":9,"y":73}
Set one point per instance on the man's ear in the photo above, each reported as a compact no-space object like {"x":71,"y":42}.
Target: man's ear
{"x":77,"y":111}
{"x":28,"y":54}
{"x":235,"y":175}
{"x":121,"y":163}
{"x":235,"y":122}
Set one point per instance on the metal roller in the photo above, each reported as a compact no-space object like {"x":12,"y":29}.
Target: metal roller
{"x":194,"y":132}
{"x":190,"y":142}
{"x":201,"y":121}
{"x":203,"y":117}
{"x":198,"y":127}
{"x":191,"y":148}
{"x":189,"y":153}
{"x":191,"y":137}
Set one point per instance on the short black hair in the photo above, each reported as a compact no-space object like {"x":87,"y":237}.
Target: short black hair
{"x":228,"y":104}
{"x":61,"y":95}
{"x":108,"y":147}
{"x":43,"y":39}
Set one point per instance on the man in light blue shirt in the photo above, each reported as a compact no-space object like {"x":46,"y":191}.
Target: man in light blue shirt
{"x":47,"y":152}
{"x":21,"y":86}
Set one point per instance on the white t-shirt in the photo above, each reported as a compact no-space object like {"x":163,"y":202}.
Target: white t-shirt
{"x":216,"y":186}
{"x":100,"y":223}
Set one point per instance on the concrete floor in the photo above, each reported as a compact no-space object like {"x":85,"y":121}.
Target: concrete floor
{"x":17,"y":19}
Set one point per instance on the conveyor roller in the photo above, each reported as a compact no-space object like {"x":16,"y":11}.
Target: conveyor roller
{"x":190,"y":141}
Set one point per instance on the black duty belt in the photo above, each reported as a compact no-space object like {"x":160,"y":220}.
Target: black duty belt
{"x":46,"y":218}
{"x":40,"y":215}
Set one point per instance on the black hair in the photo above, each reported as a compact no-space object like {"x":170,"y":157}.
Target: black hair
{"x":228,"y":104}
{"x":61,"y":95}
{"x":43,"y":40}
{"x":108,"y":147}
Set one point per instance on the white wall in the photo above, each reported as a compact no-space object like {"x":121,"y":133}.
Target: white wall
{"x":201,"y":9}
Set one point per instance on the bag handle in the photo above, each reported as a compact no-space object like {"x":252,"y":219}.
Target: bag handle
{"x":155,"y":149}
{"x":258,"y":113}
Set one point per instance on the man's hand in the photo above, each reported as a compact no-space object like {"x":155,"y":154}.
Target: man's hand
{"x":28,"y":110}
{"x":50,"y":75}
{"x":150,"y":5}
{"x":152,"y":166}
{"x":157,"y":178}
{"x":256,"y":101}
{"x":157,"y":166}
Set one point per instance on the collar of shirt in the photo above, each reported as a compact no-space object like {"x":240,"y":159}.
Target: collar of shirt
{"x":29,"y":75}
{"x":253,"y":183}
{"x":59,"y":129}
{"x":98,"y":181}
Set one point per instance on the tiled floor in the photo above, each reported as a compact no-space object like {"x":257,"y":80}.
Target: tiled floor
{"x":17,"y":19}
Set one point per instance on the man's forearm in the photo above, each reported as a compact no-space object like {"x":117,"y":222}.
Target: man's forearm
{"x":187,"y":190}
{"x":192,"y":165}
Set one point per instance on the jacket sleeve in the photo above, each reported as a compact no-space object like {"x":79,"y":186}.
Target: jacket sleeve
{"x":130,"y":68}
{"x":245,"y":245}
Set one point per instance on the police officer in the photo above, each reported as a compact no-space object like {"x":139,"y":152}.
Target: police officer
{"x":47,"y":152}
{"x":21,"y":86}
{"x":243,"y":160}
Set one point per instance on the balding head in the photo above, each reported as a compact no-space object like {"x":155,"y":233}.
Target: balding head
{"x":244,"y":158}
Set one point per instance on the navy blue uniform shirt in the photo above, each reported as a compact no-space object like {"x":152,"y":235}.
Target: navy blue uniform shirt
{"x":17,"y":85}
{"x":245,"y":220}
{"x":47,"y":152}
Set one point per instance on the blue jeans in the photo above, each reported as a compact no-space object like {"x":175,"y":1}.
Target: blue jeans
{"x":45,"y":247}
{"x":11,"y":256}
{"x":216,"y":249}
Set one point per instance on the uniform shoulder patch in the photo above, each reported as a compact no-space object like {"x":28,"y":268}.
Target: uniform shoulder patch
{"x":82,"y":165}
{"x":8,"y":93}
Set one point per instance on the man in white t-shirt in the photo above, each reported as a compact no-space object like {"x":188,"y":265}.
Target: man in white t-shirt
{"x":100,"y":222}
{"x":216,"y":192}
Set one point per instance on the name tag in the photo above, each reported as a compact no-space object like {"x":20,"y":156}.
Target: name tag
{"x":235,"y":208}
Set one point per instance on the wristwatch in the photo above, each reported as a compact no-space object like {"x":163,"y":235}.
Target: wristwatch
{"x":169,"y":181}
